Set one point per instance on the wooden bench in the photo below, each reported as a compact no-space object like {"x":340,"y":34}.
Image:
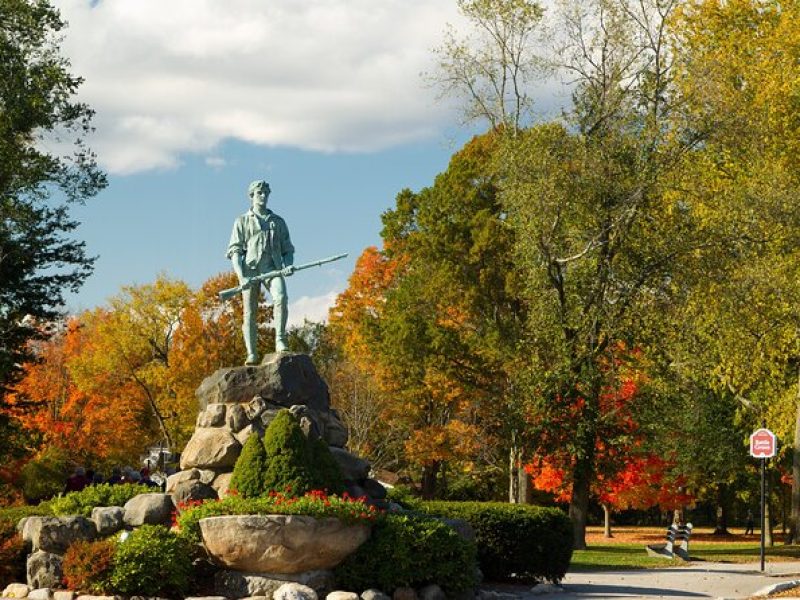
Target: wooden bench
{"x":677,"y":543}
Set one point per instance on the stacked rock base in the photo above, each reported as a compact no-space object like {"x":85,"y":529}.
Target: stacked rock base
{"x":237,"y":402}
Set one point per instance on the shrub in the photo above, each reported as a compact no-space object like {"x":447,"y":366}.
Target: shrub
{"x":44,"y":476}
{"x":248,"y":473}
{"x":150,"y":562}
{"x":82,"y":503}
{"x":404,"y":497}
{"x":514,"y":540}
{"x":327,"y":473}
{"x":88,"y":565}
{"x":315,"y":504}
{"x":288,"y":456}
{"x":12,"y":549}
{"x":410,"y":550}
{"x":12,"y":554}
{"x":287,"y":462}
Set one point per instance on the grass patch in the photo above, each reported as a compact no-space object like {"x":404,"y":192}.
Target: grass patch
{"x":622,"y":556}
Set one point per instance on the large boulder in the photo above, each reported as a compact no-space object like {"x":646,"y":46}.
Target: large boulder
{"x":283,"y":378}
{"x":149,"y":509}
{"x":279,"y":543}
{"x":194,"y":489}
{"x":222,"y":484}
{"x":213,"y":416}
{"x":353,"y":468}
{"x":211,"y":448}
{"x":15,"y":590}
{"x":234,"y":584}
{"x":56,"y":534}
{"x":108,"y":519}
{"x":44,"y":570}
{"x":204,"y":476}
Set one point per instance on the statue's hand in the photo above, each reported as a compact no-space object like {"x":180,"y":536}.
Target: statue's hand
{"x":245,"y":282}
{"x":286,"y":271}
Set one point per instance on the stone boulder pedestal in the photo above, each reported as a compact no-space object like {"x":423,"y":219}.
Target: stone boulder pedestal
{"x":280,"y":543}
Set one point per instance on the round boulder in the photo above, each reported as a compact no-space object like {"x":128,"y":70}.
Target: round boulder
{"x":149,"y":509}
{"x":211,"y":448}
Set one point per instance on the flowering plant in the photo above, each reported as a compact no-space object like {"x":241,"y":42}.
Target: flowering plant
{"x":315,"y":503}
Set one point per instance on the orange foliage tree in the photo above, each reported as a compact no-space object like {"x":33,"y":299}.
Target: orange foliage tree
{"x":120,"y":378}
{"x":87,"y":426}
{"x":628,"y":474}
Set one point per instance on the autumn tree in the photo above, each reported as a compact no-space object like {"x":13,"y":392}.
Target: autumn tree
{"x":208,"y":337}
{"x":130,"y":351}
{"x":56,"y":413}
{"x":345,"y":359}
{"x":632,"y":467}
{"x":133,"y":366}
{"x":444,"y":340}
{"x":39,"y":261}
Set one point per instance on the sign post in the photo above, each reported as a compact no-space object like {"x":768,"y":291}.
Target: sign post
{"x":763,"y":445}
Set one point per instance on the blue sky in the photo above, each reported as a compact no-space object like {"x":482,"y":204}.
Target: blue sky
{"x":196,"y":98}
{"x":178,"y":220}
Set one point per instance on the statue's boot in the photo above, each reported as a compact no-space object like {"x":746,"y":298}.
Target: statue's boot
{"x":281,"y":316}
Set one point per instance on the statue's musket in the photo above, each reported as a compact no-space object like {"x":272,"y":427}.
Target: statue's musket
{"x":230,"y":293}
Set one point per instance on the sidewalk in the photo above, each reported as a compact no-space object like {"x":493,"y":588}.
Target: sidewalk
{"x":695,"y":580}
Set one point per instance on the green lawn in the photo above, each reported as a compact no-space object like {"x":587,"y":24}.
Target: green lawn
{"x":633,"y":555}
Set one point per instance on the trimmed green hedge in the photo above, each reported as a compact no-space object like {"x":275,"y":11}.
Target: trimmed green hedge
{"x":514,"y":540}
{"x":104,"y":494}
{"x":410,"y":550}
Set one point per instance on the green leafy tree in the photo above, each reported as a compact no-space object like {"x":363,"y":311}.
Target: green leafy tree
{"x":446,"y":339}
{"x":39,"y":261}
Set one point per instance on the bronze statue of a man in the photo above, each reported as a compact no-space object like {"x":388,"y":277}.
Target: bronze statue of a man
{"x":260,"y":244}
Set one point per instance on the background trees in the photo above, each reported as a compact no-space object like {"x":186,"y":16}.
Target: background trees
{"x":657,"y":216}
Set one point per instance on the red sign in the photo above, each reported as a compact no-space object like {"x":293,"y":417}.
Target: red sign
{"x":763,"y":444}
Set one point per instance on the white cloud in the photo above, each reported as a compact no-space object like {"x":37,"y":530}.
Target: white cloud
{"x":182,"y":75}
{"x":215,"y":162}
{"x":313,"y":308}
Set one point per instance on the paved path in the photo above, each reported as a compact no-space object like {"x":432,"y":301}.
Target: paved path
{"x":694,"y":581}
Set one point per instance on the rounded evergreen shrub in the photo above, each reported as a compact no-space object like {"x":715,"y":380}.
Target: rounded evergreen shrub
{"x":327,"y":473}
{"x":88,"y":566}
{"x":286,"y":462}
{"x":288,"y":456}
{"x":414,"y":551}
{"x":248,"y":473}
{"x":152,"y":561}
{"x":515,"y":541}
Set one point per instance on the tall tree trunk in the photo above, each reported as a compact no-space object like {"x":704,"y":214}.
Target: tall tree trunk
{"x":525,"y":486}
{"x":607,"y":521}
{"x":516,"y":475}
{"x":722,"y":511}
{"x":579,"y":505}
{"x":793,"y":537}
{"x":429,"y":473}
